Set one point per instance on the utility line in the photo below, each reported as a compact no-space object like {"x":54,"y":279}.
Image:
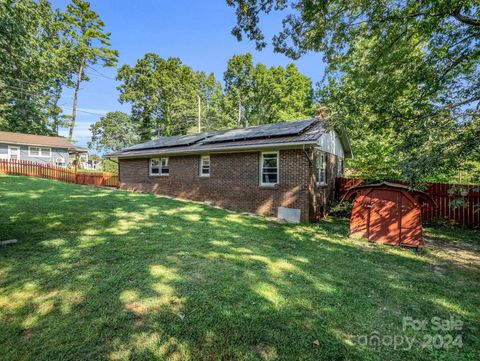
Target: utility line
{"x":99,"y":74}
{"x":83,"y":111}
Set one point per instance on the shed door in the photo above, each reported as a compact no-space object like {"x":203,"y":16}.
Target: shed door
{"x":411,"y":223}
{"x":359,"y":218}
{"x":384,"y":217}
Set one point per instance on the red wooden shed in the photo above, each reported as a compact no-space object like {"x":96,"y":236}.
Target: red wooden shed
{"x":388,"y":213}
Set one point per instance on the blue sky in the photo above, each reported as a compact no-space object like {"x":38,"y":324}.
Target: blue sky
{"x":198,"y":32}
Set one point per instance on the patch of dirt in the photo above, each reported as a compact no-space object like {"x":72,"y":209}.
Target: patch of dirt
{"x":137,"y":308}
{"x":26,"y":333}
{"x":266,"y":352}
{"x":459,"y":254}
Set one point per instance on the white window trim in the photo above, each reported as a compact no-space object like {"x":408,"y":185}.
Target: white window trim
{"x":201,"y":174}
{"x":262,"y":184}
{"x":160,"y":174}
{"x":324,"y":167}
{"x":14,"y":147}
{"x":40,"y":153}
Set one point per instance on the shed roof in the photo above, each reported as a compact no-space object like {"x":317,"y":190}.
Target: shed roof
{"x":424,"y":197}
{"x":277,"y":135}
{"x":39,"y":140}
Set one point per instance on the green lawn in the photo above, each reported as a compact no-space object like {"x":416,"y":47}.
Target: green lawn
{"x":106,"y":274}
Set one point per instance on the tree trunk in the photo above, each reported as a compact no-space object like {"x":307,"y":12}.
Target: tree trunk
{"x":199,"y":115}
{"x":56,"y":121}
{"x":75,"y":96}
{"x":239,"y":118}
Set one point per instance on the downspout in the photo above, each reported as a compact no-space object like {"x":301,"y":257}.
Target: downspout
{"x":307,"y":156}
{"x":311,"y":207}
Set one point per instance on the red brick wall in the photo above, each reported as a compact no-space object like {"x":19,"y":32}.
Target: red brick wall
{"x":233,"y":182}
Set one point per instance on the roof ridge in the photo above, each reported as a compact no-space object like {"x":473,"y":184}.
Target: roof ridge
{"x":34,"y":135}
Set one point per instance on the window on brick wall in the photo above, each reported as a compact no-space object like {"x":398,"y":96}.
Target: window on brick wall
{"x":269,"y":168}
{"x":205,"y":166}
{"x":322,"y":168}
{"x":159,"y":167}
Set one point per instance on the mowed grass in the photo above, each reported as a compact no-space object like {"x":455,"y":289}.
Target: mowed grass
{"x":106,"y":274}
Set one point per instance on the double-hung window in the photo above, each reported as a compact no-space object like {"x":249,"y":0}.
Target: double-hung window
{"x":269,"y":168}
{"x":205,"y":166}
{"x":322,"y":168}
{"x":159,"y":167}
{"x":39,"y":152}
{"x":13,"y":153}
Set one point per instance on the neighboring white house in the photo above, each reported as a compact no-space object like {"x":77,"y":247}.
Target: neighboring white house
{"x":38,"y":148}
{"x":89,"y":162}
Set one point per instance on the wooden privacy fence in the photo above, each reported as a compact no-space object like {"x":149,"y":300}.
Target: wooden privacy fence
{"x":32,"y":169}
{"x":97,"y":179}
{"x":455,"y":202}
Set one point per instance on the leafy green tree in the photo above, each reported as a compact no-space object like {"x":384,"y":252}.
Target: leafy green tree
{"x":212,"y":111}
{"x":280,"y":94}
{"x":163,"y":94}
{"x":114,"y":131}
{"x":406,"y":72}
{"x":33,"y":70}
{"x":261,"y":95}
{"x":89,"y":44}
{"x":109,"y":166}
{"x":239,"y":82}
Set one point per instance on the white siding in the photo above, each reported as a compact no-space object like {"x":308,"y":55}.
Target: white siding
{"x":330,"y":143}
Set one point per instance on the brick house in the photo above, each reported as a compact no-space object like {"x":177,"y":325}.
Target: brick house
{"x":286,"y":169}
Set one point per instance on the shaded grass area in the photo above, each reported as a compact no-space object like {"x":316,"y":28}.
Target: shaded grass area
{"x":106,"y":274}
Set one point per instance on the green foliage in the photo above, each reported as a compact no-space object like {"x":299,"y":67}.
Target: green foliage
{"x":239,"y":82}
{"x":40,"y":51}
{"x":406,"y":73}
{"x":114,"y":131}
{"x":33,"y":67}
{"x":213,"y":114}
{"x":341,"y":209}
{"x":280,"y":94}
{"x":109,"y":166}
{"x":163,"y":94}
{"x":264,"y":95}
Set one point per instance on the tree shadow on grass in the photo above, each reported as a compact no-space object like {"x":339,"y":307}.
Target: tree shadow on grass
{"x":117,"y":275}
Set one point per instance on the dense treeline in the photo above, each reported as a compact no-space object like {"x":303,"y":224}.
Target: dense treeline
{"x":44,"y":51}
{"x":170,"y":98}
{"x":402,"y":78}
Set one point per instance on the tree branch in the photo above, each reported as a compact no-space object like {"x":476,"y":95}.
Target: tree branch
{"x":463,"y":102}
{"x":465,"y":19}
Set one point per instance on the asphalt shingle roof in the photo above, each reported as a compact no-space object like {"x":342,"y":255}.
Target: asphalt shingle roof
{"x":41,"y":140}
{"x":296,"y":132}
